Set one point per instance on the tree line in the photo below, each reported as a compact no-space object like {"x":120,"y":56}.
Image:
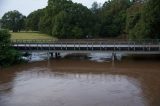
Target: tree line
{"x":133,"y":19}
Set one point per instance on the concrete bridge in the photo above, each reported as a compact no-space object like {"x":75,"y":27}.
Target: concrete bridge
{"x":89,"y":46}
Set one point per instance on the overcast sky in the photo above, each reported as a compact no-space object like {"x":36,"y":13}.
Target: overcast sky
{"x":27,"y":6}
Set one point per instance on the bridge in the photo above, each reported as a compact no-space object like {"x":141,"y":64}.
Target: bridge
{"x":89,"y":46}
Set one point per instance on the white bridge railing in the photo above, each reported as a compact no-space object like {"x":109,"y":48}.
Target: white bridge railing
{"x":89,"y":45}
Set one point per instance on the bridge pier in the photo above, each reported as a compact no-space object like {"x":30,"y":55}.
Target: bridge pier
{"x":114,"y":57}
{"x":57,"y":55}
{"x":51,"y":54}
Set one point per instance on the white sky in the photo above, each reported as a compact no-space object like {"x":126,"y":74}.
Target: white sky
{"x":27,"y":6}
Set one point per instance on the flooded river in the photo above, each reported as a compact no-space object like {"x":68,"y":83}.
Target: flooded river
{"x":81,"y":82}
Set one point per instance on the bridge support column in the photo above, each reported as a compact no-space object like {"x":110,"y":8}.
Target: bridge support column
{"x":51,"y":54}
{"x":57,"y":55}
{"x":113,"y":56}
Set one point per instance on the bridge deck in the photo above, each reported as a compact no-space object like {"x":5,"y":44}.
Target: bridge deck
{"x":138,"y":46}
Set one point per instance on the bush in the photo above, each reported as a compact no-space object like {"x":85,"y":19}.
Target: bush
{"x":8,"y":55}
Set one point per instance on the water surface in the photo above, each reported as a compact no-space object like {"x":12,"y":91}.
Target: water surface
{"x":66,"y":82}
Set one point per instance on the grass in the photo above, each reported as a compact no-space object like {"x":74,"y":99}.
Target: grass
{"x":29,"y":35}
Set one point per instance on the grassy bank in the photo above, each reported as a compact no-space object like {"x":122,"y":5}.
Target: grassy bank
{"x":29,"y":35}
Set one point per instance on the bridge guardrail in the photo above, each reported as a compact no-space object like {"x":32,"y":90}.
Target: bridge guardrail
{"x":88,"y":45}
{"x":86,"y":41}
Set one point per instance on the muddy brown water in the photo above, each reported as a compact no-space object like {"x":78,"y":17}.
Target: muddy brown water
{"x":67,"y":82}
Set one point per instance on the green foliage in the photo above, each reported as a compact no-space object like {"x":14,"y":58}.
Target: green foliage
{"x":143,"y":20}
{"x":139,"y":31}
{"x":77,"y":32}
{"x":65,"y":19}
{"x":139,"y":19}
{"x":5,"y":39}
{"x":8,"y":55}
{"x":33,"y":20}
{"x":13,"y":20}
{"x":113,"y":17}
{"x":134,"y":22}
{"x":151,"y":18}
{"x":45,"y":25}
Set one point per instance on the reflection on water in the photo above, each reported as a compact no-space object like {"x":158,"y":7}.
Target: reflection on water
{"x":81,"y":83}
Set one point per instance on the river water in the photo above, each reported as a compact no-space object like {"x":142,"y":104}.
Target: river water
{"x":81,"y":82}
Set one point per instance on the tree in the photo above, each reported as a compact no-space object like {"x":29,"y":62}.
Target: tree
{"x":33,"y":20}
{"x":151,"y":18}
{"x":5,"y":39}
{"x":113,"y":17}
{"x":95,"y":7}
{"x":8,"y":55}
{"x":65,"y":19}
{"x":13,"y":20}
{"x":134,"y":15}
{"x":147,"y":21}
{"x":0,"y":23}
